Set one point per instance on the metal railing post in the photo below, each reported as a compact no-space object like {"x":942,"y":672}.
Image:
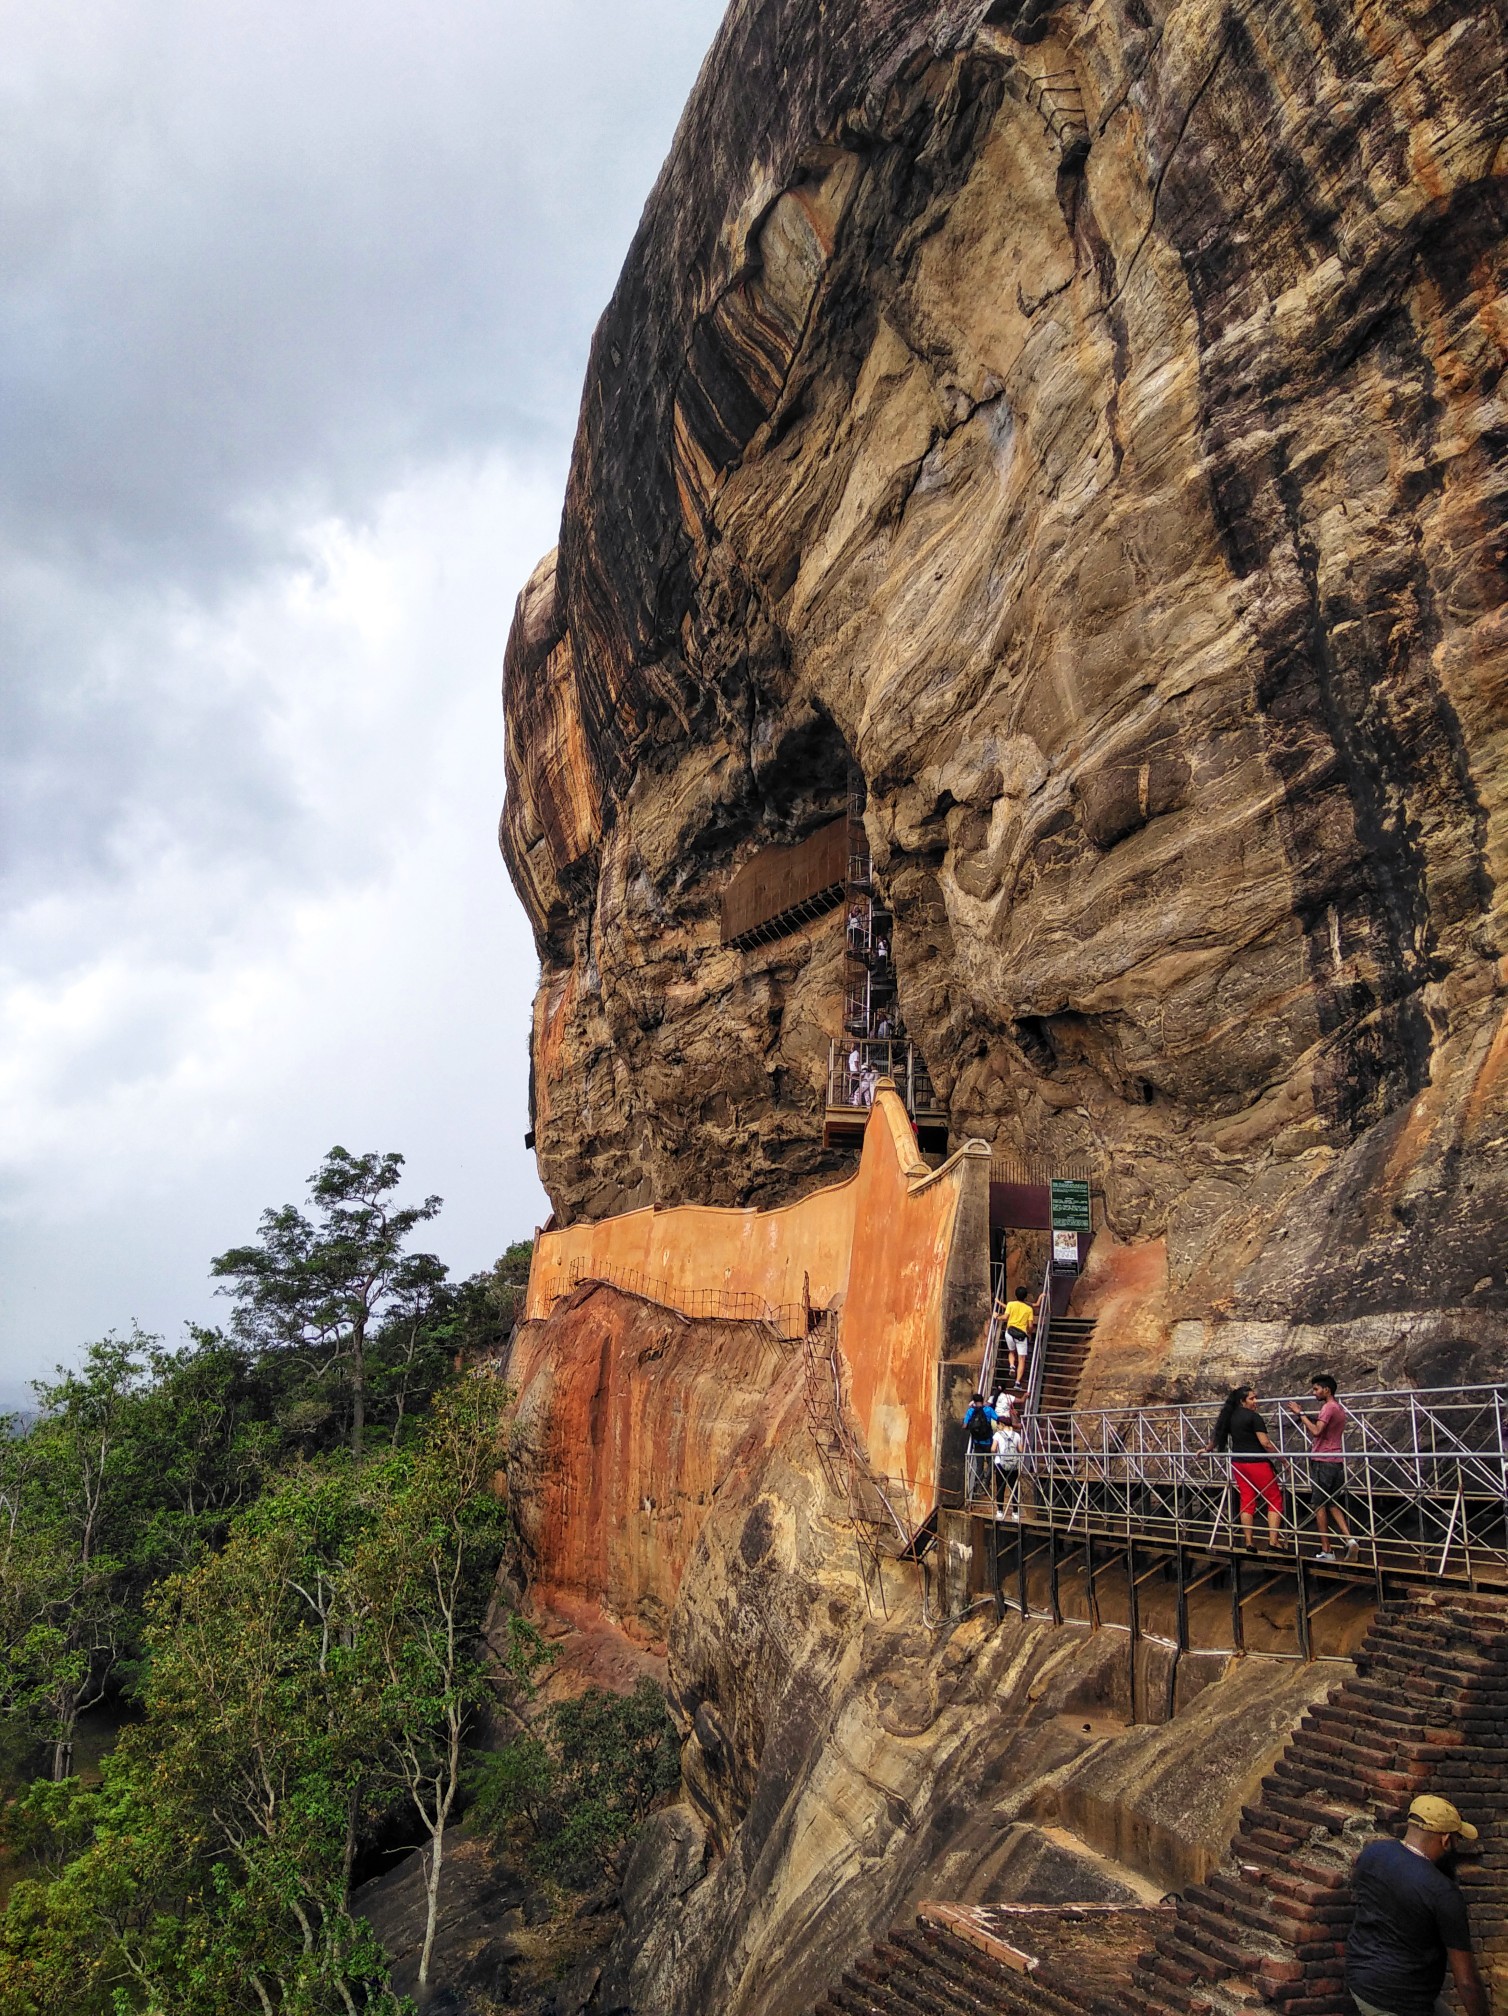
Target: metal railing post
{"x":1133,"y":1620}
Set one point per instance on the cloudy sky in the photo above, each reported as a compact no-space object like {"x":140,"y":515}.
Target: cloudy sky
{"x":294,"y":307}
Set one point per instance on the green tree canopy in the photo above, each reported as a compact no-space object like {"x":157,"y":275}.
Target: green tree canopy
{"x":319,"y":1288}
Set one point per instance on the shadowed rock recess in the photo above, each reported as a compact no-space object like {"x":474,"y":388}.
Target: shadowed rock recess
{"x":1075,"y":434}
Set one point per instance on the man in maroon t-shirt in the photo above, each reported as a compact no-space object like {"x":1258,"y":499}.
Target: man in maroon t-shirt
{"x":1327,"y":1463}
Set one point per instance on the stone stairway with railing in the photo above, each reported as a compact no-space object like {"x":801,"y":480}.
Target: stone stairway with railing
{"x":1426,"y":1708}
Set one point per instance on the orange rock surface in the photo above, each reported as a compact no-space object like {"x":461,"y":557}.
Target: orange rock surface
{"x":629,"y":1418}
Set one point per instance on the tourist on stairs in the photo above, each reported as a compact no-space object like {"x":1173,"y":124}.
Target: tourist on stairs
{"x":1241,"y":1429}
{"x":1006,"y":1448}
{"x":1020,"y":1320}
{"x":1411,"y":1920}
{"x":979,"y":1426}
{"x":1327,"y":1463}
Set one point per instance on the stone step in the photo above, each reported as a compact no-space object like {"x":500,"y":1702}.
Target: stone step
{"x":1363,"y":1748}
{"x":967,"y":1972}
{"x":1239,"y":1942}
{"x":903,"y":1991}
{"x":1264,"y":1914}
{"x":847,"y":2000}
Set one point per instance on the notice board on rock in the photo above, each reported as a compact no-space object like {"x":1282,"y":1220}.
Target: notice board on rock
{"x":1070,"y":1205}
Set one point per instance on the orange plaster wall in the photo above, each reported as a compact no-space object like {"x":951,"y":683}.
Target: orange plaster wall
{"x":694,"y":1246}
{"x":893,"y":1316}
{"x":882,"y":1241}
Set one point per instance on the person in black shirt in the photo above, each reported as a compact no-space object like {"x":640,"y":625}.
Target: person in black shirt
{"x":1411,"y":1921}
{"x":1241,"y":1429}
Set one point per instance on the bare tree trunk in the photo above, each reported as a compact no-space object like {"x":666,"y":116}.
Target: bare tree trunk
{"x":432,"y":1907}
{"x":358,"y":1391}
{"x":443,"y":1803}
{"x":62,"y":1747}
{"x":350,"y":1848}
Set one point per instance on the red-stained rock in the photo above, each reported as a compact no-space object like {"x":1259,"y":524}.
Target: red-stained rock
{"x":629,"y":1418}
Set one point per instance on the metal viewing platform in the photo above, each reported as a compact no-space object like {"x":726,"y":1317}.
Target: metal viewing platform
{"x":1425,"y":1482}
{"x":851,"y":1088}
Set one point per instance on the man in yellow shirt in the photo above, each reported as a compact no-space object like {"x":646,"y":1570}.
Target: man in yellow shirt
{"x":1020,"y":1321}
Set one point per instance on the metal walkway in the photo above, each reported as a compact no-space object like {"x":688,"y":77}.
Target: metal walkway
{"x":1426,"y":1484}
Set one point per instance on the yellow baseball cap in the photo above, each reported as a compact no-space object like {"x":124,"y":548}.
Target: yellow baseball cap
{"x":1440,"y":1817}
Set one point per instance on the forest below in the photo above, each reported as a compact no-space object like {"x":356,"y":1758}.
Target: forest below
{"x":260,"y":1635}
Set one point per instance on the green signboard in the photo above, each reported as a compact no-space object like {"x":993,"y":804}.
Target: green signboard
{"x":1070,"y":1205}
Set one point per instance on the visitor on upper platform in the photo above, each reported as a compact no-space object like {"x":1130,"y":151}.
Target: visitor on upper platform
{"x":882,"y":1029}
{"x":1327,"y":1463}
{"x":856,"y":925}
{"x":1411,"y":1922}
{"x":1241,"y":1429}
{"x":1020,"y":1319}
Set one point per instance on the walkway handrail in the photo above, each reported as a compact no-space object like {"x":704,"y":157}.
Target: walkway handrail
{"x":1033,"y":1397}
{"x":1426,"y":1421}
{"x":985,"y":1382}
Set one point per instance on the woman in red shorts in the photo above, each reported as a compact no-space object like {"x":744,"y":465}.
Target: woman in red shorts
{"x":1241,"y":1429}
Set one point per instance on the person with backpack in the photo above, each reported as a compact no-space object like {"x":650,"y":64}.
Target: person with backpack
{"x":979,"y":1426}
{"x":1006,"y":1451}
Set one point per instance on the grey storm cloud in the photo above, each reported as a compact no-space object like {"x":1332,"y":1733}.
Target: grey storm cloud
{"x":255,"y":248}
{"x":291,"y":293}
{"x":260,"y":260}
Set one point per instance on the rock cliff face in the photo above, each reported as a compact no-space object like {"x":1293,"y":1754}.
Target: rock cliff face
{"x":622,"y":1441}
{"x":1086,"y":422}
{"x":1082,"y":427}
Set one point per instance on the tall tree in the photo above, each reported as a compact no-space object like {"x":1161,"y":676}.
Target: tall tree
{"x":421,"y":1581}
{"x":131,"y":1465}
{"x":65,"y":1490}
{"x":319,"y":1287}
{"x":211,"y":1869}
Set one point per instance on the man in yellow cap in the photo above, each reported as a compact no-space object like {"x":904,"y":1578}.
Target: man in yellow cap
{"x":1410,"y":1919}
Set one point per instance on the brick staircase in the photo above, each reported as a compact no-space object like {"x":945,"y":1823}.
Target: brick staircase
{"x":955,"y":1969}
{"x":1426,"y":1708}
